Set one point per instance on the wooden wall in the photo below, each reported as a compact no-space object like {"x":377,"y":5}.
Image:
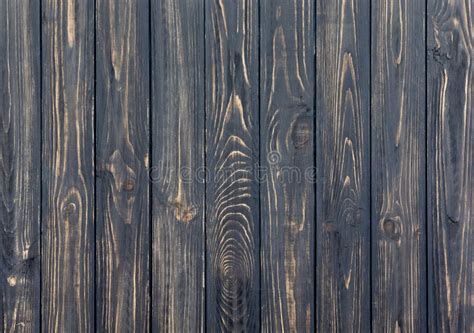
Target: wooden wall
{"x":223,"y":165}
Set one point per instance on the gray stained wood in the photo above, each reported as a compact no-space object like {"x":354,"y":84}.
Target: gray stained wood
{"x":287,"y":161}
{"x":450,"y":89}
{"x":251,"y":165}
{"x":343,"y":162}
{"x":232,"y":153}
{"x":398,"y":166}
{"x":178,"y":161}
{"x":20,"y":155}
{"x":67,"y":242}
{"x":122,"y":155}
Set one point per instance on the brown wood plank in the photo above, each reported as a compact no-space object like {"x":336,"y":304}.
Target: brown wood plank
{"x":398,"y":166}
{"x":342,"y":111}
{"x":178,"y":157}
{"x":287,"y":160}
{"x":450,"y":165}
{"x":122,"y":150}
{"x":20,"y":157}
{"x":68,"y":166}
{"x":232,"y":109}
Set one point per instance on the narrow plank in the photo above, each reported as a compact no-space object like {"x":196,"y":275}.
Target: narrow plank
{"x":232,"y":280}
{"x":178,"y":157}
{"x":287,"y":160}
{"x":398,"y":166}
{"x":343,"y":208}
{"x":122,"y":154}
{"x":20,"y":155}
{"x":450,"y":89}
{"x":68,"y":166}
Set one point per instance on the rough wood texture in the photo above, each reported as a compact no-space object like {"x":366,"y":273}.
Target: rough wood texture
{"x":178,"y":159}
{"x":450,"y":165}
{"x":68,"y":166}
{"x":122,"y":150}
{"x":398,"y":166}
{"x":287,"y":160}
{"x":232,"y":281}
{"x":342,"y":87}
{"x":20,"y":156}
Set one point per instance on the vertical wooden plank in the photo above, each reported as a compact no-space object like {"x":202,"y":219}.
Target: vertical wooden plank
{"x":450,"y":89}
{"x":398,"y":166}
{"x":287,"y":160}
{"x":178,"y":159}
{"x":122,"y":195}
{"x":232,"y":126}
{"x":342,"y":104}
{"x":68,"y":166}
{"x":20,"y":147}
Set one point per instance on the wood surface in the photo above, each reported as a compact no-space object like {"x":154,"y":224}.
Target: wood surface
{"x":122,"y":157}
{"x":178,"y":158}
{"x":450,"y":147}
{"x":222,"y":165}
{"x":20,"y":155}
{"x":67,"y":262}
{"x":343,"y":162}
{"x":232,"y":152}
{"x":287,"y":161}
{"x":398,"y":122}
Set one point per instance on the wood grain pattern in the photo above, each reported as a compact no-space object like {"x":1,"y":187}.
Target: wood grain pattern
{"x":398,"y":166}
{"x":20,"y":147}
{"x":68,"y":166}
{"x":232,"y":281}
{"x":450,"y":165}
{"x":287,"y":160}
{"x":178,"y":159}
{"x":122,"y":150}
{"x":342,"y":87}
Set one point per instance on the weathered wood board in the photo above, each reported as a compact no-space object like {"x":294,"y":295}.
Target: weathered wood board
{"x":68,"y":223}
{"x":343,"y":163}
{"x":122,"y":155}
{"x":398,"y":136}
{"x":288,"y":165}
{"x":20,"y":158}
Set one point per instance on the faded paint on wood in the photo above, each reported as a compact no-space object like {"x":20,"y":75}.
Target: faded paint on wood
{"x":232,"y":193}
{"x":398,"y":166}
{"x":287,"y":161}
{"x":67,"y":263}
{"x":178,"y":161}
{"x":122,"y":153}
{"x":450,"y":89}
{"x":20,"y":157}
{"x":342,"y":147}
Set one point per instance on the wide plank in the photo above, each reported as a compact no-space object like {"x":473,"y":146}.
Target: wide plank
{"x":232,"y":153}
{"x":20,"y":171}
{"x":342,"y":141}
{"x":178,"y":160}
{"x":122,"y":157}
{"x":287,"y":160}
{"x":398,"y":166}
{"x":67,"y":271}
{"x":450,"y":89}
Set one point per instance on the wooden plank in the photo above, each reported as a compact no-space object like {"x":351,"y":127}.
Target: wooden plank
{"x":178,"y":157}
{"x":287,"y":160}
{"x":122,"y":150}
{"x":20,"y":156}
{"x":342,"y":104}
{"x":450,"y":165}
{"x":398,"y":166}
{"x":232,"y":280}
{"x":68,"y":166}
